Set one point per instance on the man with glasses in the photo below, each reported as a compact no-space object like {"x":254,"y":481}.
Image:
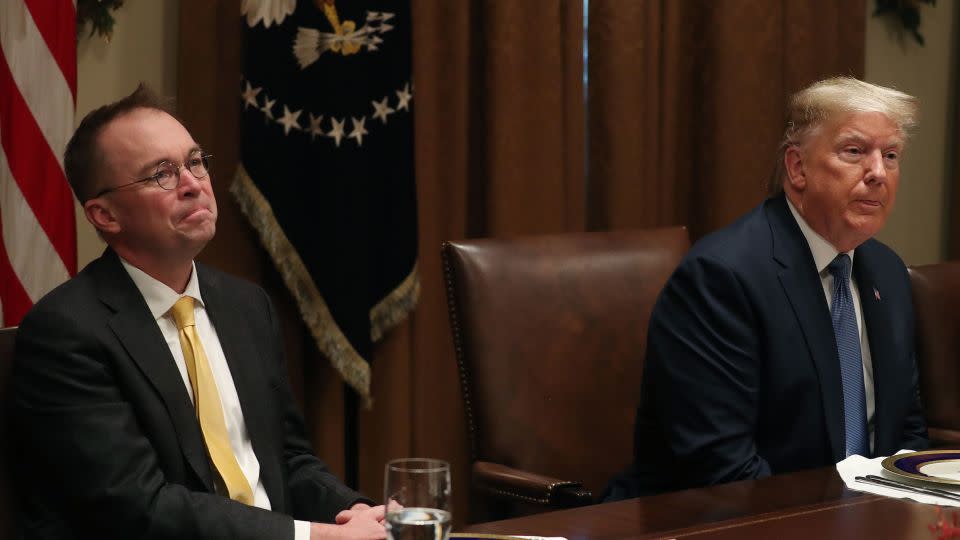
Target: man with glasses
{"x":149,"y":396}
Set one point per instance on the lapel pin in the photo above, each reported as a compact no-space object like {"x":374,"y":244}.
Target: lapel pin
{"x":876,"y":294}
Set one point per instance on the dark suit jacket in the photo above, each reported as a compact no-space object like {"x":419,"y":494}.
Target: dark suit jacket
{"x":742,"y":376}
{"x":107,"y":444}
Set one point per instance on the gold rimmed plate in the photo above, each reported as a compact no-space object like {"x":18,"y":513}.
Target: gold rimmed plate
{"x":936,"y":466}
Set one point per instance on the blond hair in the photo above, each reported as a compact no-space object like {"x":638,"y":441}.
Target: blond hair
{"x":813,"y":106}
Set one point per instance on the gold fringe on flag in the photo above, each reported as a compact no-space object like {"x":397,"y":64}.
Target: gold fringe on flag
{"x":395,"y":307}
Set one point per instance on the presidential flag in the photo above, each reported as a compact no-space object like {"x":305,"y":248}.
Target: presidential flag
{"x":38,"y":89}
{"x":326,"y":175}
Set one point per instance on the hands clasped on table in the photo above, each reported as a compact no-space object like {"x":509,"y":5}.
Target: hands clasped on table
{"x":361,"y":521}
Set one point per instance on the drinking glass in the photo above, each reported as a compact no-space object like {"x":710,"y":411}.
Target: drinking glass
{"x":417,"y":496}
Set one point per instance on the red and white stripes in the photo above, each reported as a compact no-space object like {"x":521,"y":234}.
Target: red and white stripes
{"x":38,"y":90}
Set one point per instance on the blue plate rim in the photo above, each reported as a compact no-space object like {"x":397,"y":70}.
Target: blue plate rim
{"x":890,"y":465}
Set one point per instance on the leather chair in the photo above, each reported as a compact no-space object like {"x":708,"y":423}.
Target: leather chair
{"x":936,"y":303}
{"x":550,"y":335}
{"x":7,"y":513}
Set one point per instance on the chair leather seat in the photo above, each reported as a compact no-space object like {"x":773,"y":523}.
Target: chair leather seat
{"x":550,"y":334}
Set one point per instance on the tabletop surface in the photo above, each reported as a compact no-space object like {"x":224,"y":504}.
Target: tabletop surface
{"x":807,"y":504}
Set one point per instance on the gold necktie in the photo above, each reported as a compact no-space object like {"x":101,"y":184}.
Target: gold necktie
{"x":207,"y":402}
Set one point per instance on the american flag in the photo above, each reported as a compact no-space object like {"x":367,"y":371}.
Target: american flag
{"x":38,"y":90}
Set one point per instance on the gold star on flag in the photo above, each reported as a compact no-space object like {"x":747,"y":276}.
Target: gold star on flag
{"x":250,"y":96}
{"x":336,"y":131}
{"x":381,"y":110}
{"x":289,"y":120}
{"x":358,"y":130}
{"x":315,"y":128}
{"x":268,"y":107}
{"x":403,"y":97}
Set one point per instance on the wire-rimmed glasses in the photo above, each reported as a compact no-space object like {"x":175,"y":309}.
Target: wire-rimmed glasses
{"x":168,"y":173}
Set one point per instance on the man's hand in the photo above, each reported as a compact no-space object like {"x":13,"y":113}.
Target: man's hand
{"x":360,"y":525}
{"x":360,"y":509}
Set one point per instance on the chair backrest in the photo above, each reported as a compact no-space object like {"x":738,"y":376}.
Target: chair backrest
{"x":936,"y":303}
{"x":550,"y":335}
{"x":7,"y":513}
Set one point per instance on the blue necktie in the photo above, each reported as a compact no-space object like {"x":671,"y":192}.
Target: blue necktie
{"x":851,"y":365}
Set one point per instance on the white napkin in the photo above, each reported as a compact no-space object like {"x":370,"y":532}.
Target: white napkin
{"x":855,"y":466}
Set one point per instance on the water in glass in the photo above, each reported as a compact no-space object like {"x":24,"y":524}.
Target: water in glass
{"x":418,"y":524}
{"x":417,"y":496}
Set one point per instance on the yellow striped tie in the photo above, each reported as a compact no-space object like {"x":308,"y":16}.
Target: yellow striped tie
{"x":207,"y":402}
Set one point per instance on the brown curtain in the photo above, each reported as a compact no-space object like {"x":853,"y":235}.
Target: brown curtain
{"x":685,"y":109}
{"x":687,"y":98}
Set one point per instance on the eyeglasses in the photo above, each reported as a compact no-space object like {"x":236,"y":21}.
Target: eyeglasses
{"x":168,"y":173}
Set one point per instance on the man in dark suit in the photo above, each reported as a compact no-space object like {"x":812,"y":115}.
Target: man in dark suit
{"x":766,"y":354}
{"x":149,"y":396}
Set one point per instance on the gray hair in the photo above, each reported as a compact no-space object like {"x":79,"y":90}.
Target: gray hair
{"x":811,"y":107}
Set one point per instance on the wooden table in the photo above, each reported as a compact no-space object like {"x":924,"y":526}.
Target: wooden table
{"x":809,"y":504}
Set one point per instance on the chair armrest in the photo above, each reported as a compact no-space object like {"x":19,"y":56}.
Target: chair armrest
{"x":943,"y":438}
{"x":510,"y":483}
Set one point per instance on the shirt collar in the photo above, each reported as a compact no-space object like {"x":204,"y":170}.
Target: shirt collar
{"x":159,"y":297}
{"x":823,"y":252}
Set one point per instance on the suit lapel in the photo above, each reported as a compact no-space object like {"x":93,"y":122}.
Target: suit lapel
{"x":242,"y":356}
{"x":803,"y":288}
{"x":879,"y":325}
{"x":137,"y":330}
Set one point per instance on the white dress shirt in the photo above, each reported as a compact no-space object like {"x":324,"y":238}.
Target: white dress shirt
{"x":823,"y":254}
{"x":160,"y":298}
